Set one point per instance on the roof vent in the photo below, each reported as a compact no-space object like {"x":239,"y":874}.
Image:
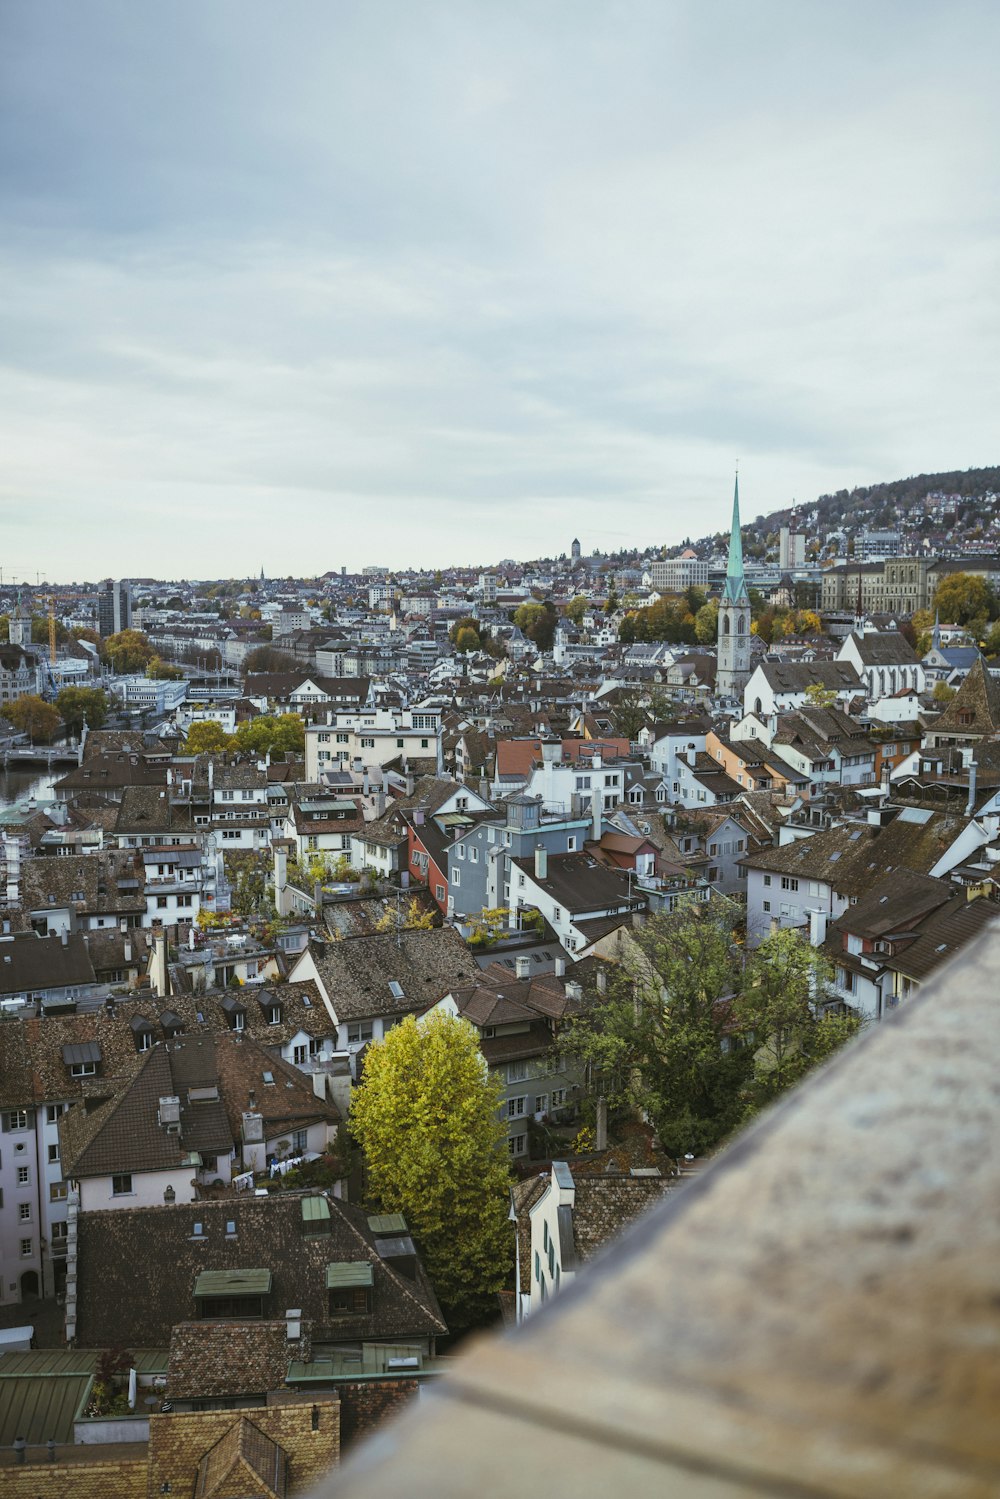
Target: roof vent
{"x":169,"y":1111}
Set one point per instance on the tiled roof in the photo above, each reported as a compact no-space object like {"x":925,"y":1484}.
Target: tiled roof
{"x":357,"y":972}
{"x":34,"y":965}
{"x":853,"y":857}
{"x":978,"y":695}
{"x":137,"y":1269}
{"x":209,"y":1359}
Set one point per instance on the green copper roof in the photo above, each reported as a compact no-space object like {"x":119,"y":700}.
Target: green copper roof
{"x":735,"y":585}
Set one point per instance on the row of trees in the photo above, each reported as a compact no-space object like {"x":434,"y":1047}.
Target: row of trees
{"x":73,"y":707}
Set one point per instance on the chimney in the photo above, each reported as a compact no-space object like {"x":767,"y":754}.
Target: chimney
{"x":573,"y":989}
{"x":211,"y":774}
{"x":601,"y":1125}
{"x":522,"y":966}
{"x":64,"y":938}
{"x":817,"y":927}
{"x":418,"y":818}
{"x":602,"y":981}
{"x":127,"y":952}
{"x":597,"y":813}
{"x":692,"y":754}
{"x":560,"y":967}
{"x":541,"y":863}
{"x":970,"y":805}
{"x":158,"y":967}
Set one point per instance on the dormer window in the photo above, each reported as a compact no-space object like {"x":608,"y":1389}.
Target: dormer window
{"x":274,"y":1015}
{"x":349,"y":1288}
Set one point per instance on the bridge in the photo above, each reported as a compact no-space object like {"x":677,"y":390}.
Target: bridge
{"x":40,"y":754}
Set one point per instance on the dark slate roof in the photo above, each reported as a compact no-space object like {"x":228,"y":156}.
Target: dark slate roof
{"x":579,"y":883}
{"x":30,"y":964}
{"x":789,"y":676}
{"x":884,"y":648}
{"x":853,"y":857}
{"x":137,"y":1269}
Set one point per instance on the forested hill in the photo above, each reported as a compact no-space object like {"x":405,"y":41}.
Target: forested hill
{"x":960,"y":500}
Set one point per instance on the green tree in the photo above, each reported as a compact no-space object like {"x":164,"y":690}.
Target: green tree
{"x":942,"y":693}
{"x":127,"y":651}
{"x":706,"y":624}
{"x":819,"y":696}
{"x":82,"y":705}
{"x":269,"y":658}
{"x":576,"y":609}
{"x":427,"y":1116}
{"x":538,"y":622}
{"x":40,"y":630}
{"x":284,"y":734}
{"x":656,"y":1041}
{"x":781,"y":1006}
{"x":206,"y":737}
{"x":163,"y":670}
{"x":962,"y":598}
{"x":466,"y":640}
{"x":32,"y":715}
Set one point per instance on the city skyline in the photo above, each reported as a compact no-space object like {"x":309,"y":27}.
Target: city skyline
{"x":433,"y":287}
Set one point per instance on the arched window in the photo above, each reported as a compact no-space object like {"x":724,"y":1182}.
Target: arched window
{"x":725,"y":624}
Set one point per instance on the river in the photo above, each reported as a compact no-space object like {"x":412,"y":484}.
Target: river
{"x":31,"y":780}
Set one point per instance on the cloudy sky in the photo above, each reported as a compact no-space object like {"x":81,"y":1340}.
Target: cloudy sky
{"x":322,"y":284}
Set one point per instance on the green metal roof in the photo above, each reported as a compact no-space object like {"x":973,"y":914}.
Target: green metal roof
{"x":316,"y":1214}
{"x":38,"y":1407}
{"x":233,"y":1283}
{"x":348,"y":1273}
{"x":387,"y":1223}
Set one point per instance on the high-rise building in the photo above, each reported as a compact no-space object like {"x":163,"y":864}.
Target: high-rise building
{"x":114,"y":607}
{"x":733,"y":670}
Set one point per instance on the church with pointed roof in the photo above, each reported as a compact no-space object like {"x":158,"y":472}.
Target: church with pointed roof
{"x":733,"y":670}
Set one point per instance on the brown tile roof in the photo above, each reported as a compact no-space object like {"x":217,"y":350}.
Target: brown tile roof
{"x":33,"y":965}
{"x":137,"y":1269}
{"x":231,"y":1358}
{"x":979,"y":695}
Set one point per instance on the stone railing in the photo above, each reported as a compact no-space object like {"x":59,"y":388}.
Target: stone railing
{"x":815,"y":1315}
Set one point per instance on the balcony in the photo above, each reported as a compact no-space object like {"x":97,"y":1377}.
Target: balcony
{"x":816,"y":1315}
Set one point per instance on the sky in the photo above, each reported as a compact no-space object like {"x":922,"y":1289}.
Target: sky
{"x":315,"y":285}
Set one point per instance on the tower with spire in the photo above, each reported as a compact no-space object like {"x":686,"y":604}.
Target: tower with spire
{"x":733,"y":671}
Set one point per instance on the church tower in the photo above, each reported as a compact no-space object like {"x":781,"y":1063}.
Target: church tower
{"x":733,"y":670}
{"x":20,"y":625}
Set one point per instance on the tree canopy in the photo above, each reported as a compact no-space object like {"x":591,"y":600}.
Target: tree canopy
{"x":427,"y":1117}
{"x":538,"y":622}
{"x":269,"y":658}
{"x":965,"y":599}
{"x":82,"y":705}
{"x":278,"y":735}
{"x":127,"y":651}
{"x":698,"y":1035}
{"x":206,"y":737}
{"x":32,"y":715}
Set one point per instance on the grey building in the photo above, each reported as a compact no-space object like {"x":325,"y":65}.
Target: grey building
{"x":479,"y":863}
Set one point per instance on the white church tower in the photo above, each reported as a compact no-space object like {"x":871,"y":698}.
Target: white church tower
{"x":733,"y":670}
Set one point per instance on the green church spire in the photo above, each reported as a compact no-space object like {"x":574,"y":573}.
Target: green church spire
{"x":735,"y":589}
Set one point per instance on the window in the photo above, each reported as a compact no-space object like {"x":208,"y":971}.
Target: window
{"x":473,"y":855}
{"x":121,"y":1185}
{"x":558,"y":1097}
{"x":299,"y":1055}
{"x":767,"y":879}
{"x":788,"y":883}
{"x":144,"y":1042}
{"x":516,"y":1144}
{"x":24,"y":1212}
{"x":16,"y":1119}
{"x":53,"y":1112}
{"x":274,"y":1015}
{"x":765,"y":905}
{"x":59,"y":1233}
{"x":350,"y":1301}
{"x":360,"y":1031}
{"x":53,"y":1154}
{"x":26,"y":1247}
{"x":515,"y":1107}
{"x":300,"y":1141}
{"x":57,"y":1191}
{"x":517,"y":1071}
{"x":460,"y":851}
{"x":456,"y":879}
{"x":239,"y":1020}
{"x":542,"y":1103}
{"x":83,"y":1069}
{"x":439,"y":890}
{"x":161,"y":902}
{"x":23,"y":1176}
{"x":367,"y":744}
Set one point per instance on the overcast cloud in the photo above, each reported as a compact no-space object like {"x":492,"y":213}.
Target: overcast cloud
{"x":323,"y":284}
